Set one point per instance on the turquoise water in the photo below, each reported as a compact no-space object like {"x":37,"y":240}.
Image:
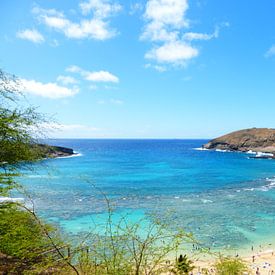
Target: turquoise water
{"x":225,"y":199}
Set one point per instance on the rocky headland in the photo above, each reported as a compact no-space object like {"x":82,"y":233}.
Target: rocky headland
{"x":49,"y":151}
{"x":258,"y":140}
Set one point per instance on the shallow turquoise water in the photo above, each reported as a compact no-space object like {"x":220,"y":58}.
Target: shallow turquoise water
{"x":225,"y":199}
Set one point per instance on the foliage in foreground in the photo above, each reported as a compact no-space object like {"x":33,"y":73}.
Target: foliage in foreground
{"x":230,"y":266}
{"x":17,"y":127}
{"x":20,"y":235}
{"x":23,"y":237}
{"x":184,"y":265}
{"x":119,"y":249}
{"x":143,"y":247}
{"x":23,"y":240}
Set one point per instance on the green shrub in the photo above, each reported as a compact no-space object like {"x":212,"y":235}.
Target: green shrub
{"x":230,"y":266}
{"x":20,"y":235}
{"x":184,"y":265}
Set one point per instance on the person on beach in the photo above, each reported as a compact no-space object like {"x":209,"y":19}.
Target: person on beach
{"x":258,"y":271}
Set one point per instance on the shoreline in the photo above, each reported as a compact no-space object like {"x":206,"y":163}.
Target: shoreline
{"x":263,"y":260}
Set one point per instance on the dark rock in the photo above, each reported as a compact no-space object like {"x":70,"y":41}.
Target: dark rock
{"x":49,"y":151}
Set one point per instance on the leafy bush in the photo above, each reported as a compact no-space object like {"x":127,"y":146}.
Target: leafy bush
{"x":230,"y":266}
{"x":20,"y":235}
{"x":184,"y":265}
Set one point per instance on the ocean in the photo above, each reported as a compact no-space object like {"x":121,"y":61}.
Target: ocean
{"x":226,"y":199}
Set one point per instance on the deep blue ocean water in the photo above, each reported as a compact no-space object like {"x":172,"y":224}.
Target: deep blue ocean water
{"x":224,"y":198}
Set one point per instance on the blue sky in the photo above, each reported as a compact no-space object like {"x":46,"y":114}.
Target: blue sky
{"x":144,"y":69}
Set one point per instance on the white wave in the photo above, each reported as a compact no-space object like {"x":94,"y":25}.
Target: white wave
{"x":221,"y":150}
{"x":71,"y":156}
{"x":206,"y":201}
{"x":263,"y":188}
{"x":268,"y":186}
{"x":261,"y":154}
{"x":200,"y":149}
{"x":7,"y":199}
{"x":251,"y":152}
{"x":249,"y":189}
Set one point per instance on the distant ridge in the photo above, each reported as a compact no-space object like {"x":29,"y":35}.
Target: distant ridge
{"x":254,"y":139}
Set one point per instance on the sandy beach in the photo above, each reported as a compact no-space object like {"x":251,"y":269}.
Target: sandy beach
{"x":260,"y":259}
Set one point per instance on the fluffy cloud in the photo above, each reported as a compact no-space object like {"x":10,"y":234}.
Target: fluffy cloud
{"x":96,"y":27}
{"x":167,"y":12}
{"x":190,"y":36}
{"x":165,"y":22}
{"x":172,"y":52}
{"x":31,"y":35}
{"x":47,"y":90}
{"x":74,"y":69}
{"x":270,"y":52}
{"x":94,"y":76}
{"x":165,"y":19}
{"x":158,"y":68}
{"x":66,"y":79}
{"x":100,"y":8}
{"x":135,"y":7}
{"x":101,"y":76}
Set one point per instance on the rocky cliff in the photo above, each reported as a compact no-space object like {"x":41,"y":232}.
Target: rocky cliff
{"x":48,"y":151}
{"x":254,"y":139}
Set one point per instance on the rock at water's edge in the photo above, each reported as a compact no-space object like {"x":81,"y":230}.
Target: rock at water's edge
{"x":49,"y":151}
{"x":254,"y":139}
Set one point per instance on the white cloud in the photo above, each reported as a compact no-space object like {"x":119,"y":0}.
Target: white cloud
{"x":172,"y":52}
{"x":167,"y":12}
{"x":48,"y":90}
{"x":96,"y":27}
{"x":31,"y":35}
{"x":270,"y":52}
{"x":101,"y":76}
{"x":100,"y":8}
{"x":190,"y":36}
{"x":73,"y":69}
{"x":94,"y":76}
{"x":158,"y":68}
{"x":164,"y":17}
{"x":135,"y":7}
{"x":165,"y":22}
{"x":66,"y":79}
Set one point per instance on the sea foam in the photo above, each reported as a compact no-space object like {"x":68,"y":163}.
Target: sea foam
{"x":7,"y":199}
